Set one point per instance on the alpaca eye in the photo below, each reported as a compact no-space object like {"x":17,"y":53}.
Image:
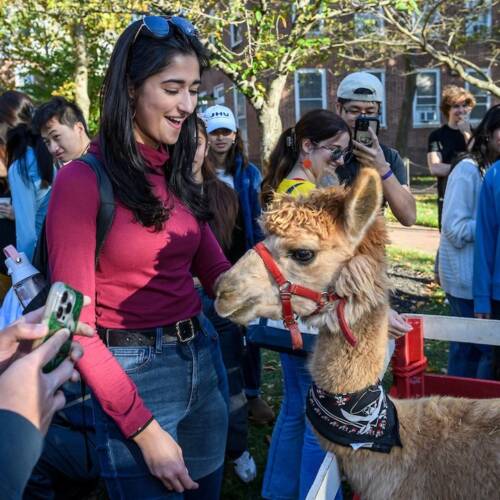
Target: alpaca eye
{"x":302,"y":255}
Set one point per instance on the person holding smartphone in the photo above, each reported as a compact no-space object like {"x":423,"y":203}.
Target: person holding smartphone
{"x":28,"y":397}
{"x":360,"y":94}
{"x":155,"y":368}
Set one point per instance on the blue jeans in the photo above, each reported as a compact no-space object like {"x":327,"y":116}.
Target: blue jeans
{"x":295,"y":455}
{"x":231,"y":342}
{"x":466,"y":359}
{"x":185,"y":387}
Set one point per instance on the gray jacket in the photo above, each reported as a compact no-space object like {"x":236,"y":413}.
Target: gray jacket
{"x":456,"y":249}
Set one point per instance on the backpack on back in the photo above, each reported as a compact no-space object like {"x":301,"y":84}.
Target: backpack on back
{"x":105,"y":216}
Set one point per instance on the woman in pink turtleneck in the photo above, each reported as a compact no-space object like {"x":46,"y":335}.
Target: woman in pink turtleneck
{"x":155,"y":369}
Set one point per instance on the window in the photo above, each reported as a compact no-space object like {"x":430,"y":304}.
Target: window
{"x":202,"y":102}
{"x":318,"y":27}
{"x":483,"y":98}
{"x":219,"y":94}
{"x":367,"y":23}
{"x":240,"y":113}
{"x":310,"y":90}
{"x":380,"y":74}
{"x":427,"y":98}
{"x":479,"y":20}
{"x":235,"y":34}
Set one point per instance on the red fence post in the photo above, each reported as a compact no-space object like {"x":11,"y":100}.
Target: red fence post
{"x":409,"y":363}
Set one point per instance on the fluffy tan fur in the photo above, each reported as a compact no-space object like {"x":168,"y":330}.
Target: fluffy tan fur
{"x":451,"y":446}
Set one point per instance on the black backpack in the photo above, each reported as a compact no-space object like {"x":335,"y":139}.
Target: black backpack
{"x":105,"y":217}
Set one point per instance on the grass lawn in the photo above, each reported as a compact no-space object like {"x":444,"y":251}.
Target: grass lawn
{"x":417,"y":268}
{"x":426,"y":210}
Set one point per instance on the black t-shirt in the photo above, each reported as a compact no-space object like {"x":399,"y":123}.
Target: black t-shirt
{"x":449,"y":143}
{"x":348,"y":172}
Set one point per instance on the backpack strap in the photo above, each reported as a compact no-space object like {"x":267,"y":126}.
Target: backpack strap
{"x":106,"y":212}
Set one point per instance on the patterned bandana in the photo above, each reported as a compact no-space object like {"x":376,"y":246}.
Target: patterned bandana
{"x":364,"y":419}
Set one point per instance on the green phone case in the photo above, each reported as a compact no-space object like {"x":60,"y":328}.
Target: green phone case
{"x":62,"y":310}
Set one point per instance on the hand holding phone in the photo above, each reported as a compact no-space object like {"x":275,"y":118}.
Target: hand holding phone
{"x":62,"y":310}
{"x":361,"y":129}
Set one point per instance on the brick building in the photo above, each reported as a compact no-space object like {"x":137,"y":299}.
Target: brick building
{"x":315,"y":86}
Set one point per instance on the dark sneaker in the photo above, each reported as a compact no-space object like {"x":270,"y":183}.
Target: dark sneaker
{"x":260,"y":412}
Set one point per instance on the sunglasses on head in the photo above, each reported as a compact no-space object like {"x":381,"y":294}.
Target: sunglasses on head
{"x":159,"y":27}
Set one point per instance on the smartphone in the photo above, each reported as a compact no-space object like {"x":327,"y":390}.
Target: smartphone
{"x":361,"y":129}
{"x":62,"y":310}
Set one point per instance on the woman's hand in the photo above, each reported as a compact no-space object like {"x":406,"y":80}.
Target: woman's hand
{"x":397,"y":325}
{"x":164,"y":458}
{"x":6,"y":211}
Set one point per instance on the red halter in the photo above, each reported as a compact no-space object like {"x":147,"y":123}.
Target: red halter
{"x":287,"y":289}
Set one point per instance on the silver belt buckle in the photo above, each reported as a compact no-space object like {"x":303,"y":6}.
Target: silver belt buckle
{"x":179,"y":333}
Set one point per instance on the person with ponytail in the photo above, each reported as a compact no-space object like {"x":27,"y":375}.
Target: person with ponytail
{"x":305,"y":154}
{"x":227,"y":158}
{"x":31,"y":169}
{"x":155,"y":368}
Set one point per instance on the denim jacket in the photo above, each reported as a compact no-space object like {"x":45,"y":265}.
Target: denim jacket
{"x":247,"y":183}
{"x":30,"y":202}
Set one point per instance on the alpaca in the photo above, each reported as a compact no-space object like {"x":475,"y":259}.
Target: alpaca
{"x":446,"y":448}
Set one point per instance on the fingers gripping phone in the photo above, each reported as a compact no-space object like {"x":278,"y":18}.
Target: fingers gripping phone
{"x":62,"y":310}
{"x":361,"y":129}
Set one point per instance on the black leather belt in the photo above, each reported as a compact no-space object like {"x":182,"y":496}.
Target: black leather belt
{"x":182,"y":331}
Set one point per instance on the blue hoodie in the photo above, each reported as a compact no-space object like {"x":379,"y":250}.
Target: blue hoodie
{"x":247,"y":183}
{"x":486,"y":280}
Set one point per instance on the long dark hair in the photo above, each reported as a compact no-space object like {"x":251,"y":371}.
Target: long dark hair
{"x":133,"y":61}
{"x":478,"y":145}
{"x":237,"y":151}
{"x":16,"y":110}
{"x":316,"y":125}
{"x":222,"y":200}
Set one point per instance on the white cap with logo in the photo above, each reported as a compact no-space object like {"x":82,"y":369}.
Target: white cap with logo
{"x":361,"y":86}
{"x":219,"y":117}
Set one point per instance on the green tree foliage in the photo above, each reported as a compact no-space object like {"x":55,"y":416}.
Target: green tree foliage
{"x":277,"y":38}
{"x":62,"y":46}
{"x":453,"y":34}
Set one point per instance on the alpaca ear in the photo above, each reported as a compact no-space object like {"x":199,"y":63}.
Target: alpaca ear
{"x":362,"y":204}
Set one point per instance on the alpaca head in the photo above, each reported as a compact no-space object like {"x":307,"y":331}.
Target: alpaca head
{"x":334,"y":238}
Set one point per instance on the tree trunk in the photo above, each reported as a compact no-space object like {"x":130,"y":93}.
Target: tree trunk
{"x":270,"y":120}
{"x":81,"y":70}
{"x":405,"y":116}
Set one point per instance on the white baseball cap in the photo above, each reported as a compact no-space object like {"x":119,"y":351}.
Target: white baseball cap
{"x":219,"y":117}
{"x":361,"y":86}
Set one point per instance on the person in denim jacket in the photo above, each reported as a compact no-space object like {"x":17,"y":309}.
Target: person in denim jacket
{"x":226,"y":157}
{"x":30,"y":169}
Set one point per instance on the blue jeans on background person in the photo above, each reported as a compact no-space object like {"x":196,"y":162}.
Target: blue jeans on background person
{"x":231,"y":342}
{"x":466,"y":359}
{"x":295,"y":456}
{"x":185,"y":387}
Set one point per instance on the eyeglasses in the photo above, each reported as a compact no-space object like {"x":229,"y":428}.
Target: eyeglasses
{"x":356,"y":112}
{"x":159,"y":27}
{"x":337,"y":153}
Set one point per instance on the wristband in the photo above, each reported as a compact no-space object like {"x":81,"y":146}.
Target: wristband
{"x":387,"y":175}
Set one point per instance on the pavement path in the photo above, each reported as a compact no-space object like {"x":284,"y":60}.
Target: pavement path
{"x":423,"y":239}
